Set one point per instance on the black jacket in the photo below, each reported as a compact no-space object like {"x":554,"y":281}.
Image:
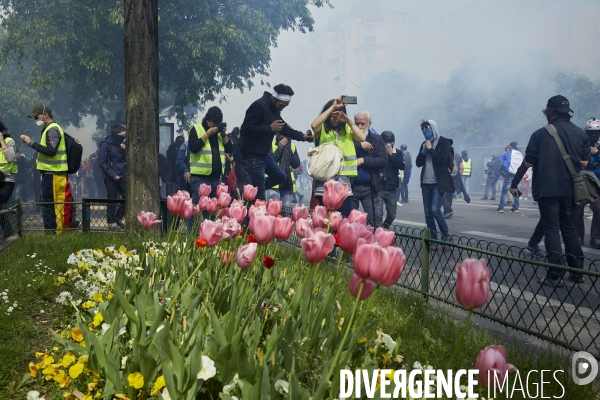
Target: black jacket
{"x":112,"y":157}
{"x":443,"y":160}
{"x":374,"y":161}
{"x":256,"y":135}
{"x":395,"y":163}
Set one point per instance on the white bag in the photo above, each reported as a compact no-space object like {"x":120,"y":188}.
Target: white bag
{"x":325,"y":161}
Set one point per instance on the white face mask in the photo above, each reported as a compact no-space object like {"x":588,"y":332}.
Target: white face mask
{"x":40,"y":123}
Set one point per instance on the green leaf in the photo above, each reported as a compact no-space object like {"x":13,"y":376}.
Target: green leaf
{"x":216,"y":326}
{"x":128,"y":308}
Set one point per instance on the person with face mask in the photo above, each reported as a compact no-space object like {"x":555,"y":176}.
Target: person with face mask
{"x":112,"y":162}
{"x":52,"y":164}
{"x":436,"y":158}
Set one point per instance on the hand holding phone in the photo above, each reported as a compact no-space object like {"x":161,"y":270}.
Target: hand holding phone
{"x":349,"y":100}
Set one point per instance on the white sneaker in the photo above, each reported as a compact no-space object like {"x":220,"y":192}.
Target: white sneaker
{"x":399,"y":204}
{"x":112,"y":227}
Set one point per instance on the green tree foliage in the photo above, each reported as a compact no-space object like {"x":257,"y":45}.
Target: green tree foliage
{"x":205,"y":46}
{"x":583,"y":94}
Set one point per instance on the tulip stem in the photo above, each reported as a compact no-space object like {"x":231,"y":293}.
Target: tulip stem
{"x":329,"y":221}
{"x":185,"y":283}
{"x":461,"y":342}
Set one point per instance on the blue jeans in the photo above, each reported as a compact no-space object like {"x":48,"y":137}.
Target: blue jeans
{"x":505,"y":187}
{"x":466,"y":180}
{"x":256,"y":168}
{"x":432,"y":204}
{"x":195,"y":182}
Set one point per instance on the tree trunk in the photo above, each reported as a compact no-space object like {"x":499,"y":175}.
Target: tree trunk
{"x":141,"y":103}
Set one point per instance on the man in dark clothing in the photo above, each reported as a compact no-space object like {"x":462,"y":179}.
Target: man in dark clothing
{"x":262,"y":121}
{"x":112,"y":162}
{"x":391,"y":180}
{"x":456,"y":175}
{"x":553,"y":186}
{"x":286,"y":156}
{"x":436,"y":157}
{"x":371,"y":157}
{"x":403,"y":195}
{"x":171,"y":176}
{"x":208,"y":144}
{"x":493,"y":173}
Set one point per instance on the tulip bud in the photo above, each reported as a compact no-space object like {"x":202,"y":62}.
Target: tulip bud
{"x":299,"y":212}
{"x":250,"y":192}
{"x":472,"y":283}
{"x":245,"y":255}
{"x":334,"y":194}
{"x":204,"y":190}
{"x":354,"y":287}
{"x":492,"y":366}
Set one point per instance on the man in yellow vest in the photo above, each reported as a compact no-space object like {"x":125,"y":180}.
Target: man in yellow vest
{"x":285,"y":154}
{"x":52,"y":164}
{"x":8,"y":164}
{"x":466,"y":173}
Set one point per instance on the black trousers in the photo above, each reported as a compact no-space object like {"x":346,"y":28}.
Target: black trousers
{"x":113,"y":188}
{"x":404,"y":185}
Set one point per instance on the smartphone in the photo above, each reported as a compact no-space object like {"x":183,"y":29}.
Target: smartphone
{"x":349,"y":100}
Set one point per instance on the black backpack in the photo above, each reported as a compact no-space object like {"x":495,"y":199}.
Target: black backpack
{"x":74,"y":154}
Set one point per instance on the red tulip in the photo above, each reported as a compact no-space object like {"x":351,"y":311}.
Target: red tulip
{"x":148,"y":219}
{"x":230,"y":227}
{"x":211,"y":205}
{"x":358,"y":216}
{"x":385,"y":237}
{"x":204,"y":190}
{"x":274,"y":207}
{"x":492,"y":366}
{"x":250,"y":192}
{"x":268,"y":262}
{"x":196,"y":210}
{"x":245,"y":255}
{"x":211,"y":231}
{"x":222,"y":188}
{"x":317,"y":245}
{"x":472,"y":283}
{"x":227,"y":257}
{"x":223,"y":200}
{"x":302,"y":225}
{"x":283,"y":228}
{"x":335,"y":220}
{"x":351,"y":232}
{"x":354,"y":287}
{"x":319,"y":217}
{"x":203,"y":203}
{"x":299,"y":212}
{"x":238,"y":212}
{"x":334,"y":194}
{"x":263,"y":228}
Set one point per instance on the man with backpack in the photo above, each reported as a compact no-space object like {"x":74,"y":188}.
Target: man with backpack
{"x":493,"y":173}
{"x":53,"y":166}
{"x":112,"y":162}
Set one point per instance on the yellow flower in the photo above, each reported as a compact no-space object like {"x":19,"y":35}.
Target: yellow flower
{"x":88,"y":304}
{"x":61,"y":279}
{"x":48,"y":360}
{"x":68,"y":359}
{"x":98,"y":318}
{"x":361,"y":340}
{"x":159,"y":384}
{"x":92,"y":385}
{"x":110,"y":296}
{"x":40,"y":355}
{"x":98,"y":297}
{"x":77,"y":335}
{"x":76,"y":370}
{"x":121,"y":396}
{"x":122,"y":249}
{"x":32,"y":369}
{"x":341,"y":323}
{"x":62,"y":379}
{"x":49,"y":370}
{"x":136,"y":380}
{"x":83,"y":359}
{"x":386,"y":357}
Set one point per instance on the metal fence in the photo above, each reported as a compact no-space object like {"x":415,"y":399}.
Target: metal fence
{"x":567,"y":316}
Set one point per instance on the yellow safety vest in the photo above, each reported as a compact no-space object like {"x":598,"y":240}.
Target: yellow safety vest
{"x":58,"y":163}
{"x":7,"y":168}
{"x":467,"y":167}
{"x":346,"y":144}
{"x":201,"y":162}
{"x":274,"y":147}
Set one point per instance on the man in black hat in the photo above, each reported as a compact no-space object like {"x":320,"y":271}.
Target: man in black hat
{"x":261,"y":123}
{"x":553,"y":186}
{"x":389,"y":175}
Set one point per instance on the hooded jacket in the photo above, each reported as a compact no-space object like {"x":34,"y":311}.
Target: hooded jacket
{"x":112,"y":157}
{"x":442,"y":157}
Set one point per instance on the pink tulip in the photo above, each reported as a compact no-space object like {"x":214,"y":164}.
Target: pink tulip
{"x":238,"y":212}
{"x":355,"y":282}
{"x":175,"y":204}
{"x":358,"y":216}
{"x":319,"y":217}
{"x":492,"y":366}
{"x":196,"y":210}
{"x":235,"y":203}
{"x":223,"y":200}
{"x":472,"y":283}
{"x":230,"y":227}
{"x":299,"y":212}
{"x":351,"y":232}
{"x":204,"y":190}
{"x":211,"y":231}
{"x":389,"y":276}
{"x":184,"y":194}
{"x":334,"y":194}
{"x":263,"y":228}
{"x":335,"y":220}
{"x":224,"y":212}
{"x":203,"y":203}
{"x":211,"y":205}
{"x":385,"y":237}
{"x":283,"y":228}
{"x":245,"y":255}
{"x":303,"y":225}
{"x":250,"y":192}
{"x":317,"y":245}
{"x":227,"y":257}
{"x":222,"y":188}
{"x":260,"y":203}
{"x":274,"y":207}
{"x":255,"y":211}
{"x":148,"y":219}
{"x":187,"y":209}
{"x":366,"y":256}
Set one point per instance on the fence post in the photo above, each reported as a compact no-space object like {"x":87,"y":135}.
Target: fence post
{"x":85,"y":214}
{"x":425,"y":257}
{"x":20,"y":217}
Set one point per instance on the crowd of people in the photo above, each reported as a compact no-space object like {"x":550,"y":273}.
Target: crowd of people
{"x":262,"y":153}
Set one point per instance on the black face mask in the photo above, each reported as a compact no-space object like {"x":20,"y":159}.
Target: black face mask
{"x":118,"y":138}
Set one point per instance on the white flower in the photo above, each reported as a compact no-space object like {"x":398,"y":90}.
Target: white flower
{"x":208,"y":369}
{"x":9,"y":309}
{"x":105,"y":327}
{"x":282,"y":386}
{"x":64,"y":298}
{"x":34,"y":395}
{"x":42,"y":311}
{"x":388,"y":342}
{"x":123,"y":362}
{"x":165,"y":394}
{"x":15,"y":304}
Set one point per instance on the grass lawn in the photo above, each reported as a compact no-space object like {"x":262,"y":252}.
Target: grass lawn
{"x":31,"y":267}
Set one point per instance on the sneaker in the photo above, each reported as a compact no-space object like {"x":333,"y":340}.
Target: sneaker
{"x":448,"y":215}
{"x":113,"y":227}
{"x":576,"y":278}
{"x":595,"y":243}
{"x":553,"y":282}
{"x":524,"y":198}
{"x":484,"y":198}
{"x":500,"y":211}
{"x":399,"y":204}
{"x":514,"y":210}
{"x":535,"y":250}
{"x":120,"y":224}
{"x":493,"y":198}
